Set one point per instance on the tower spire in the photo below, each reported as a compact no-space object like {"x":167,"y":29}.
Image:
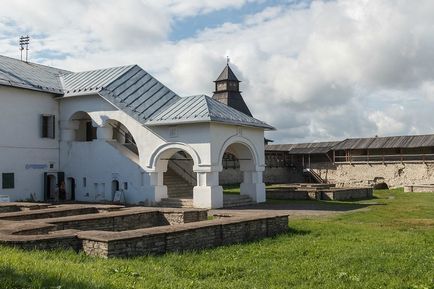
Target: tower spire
{"x":227,"y":90}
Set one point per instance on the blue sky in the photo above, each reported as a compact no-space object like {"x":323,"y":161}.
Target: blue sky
{"x":315,"y":70}
{"x":189,"y":26}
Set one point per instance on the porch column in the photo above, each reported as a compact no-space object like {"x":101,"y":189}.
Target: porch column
{"x":253,"y":186}
{"x":104,"y":132}
{"x":208,"y":194}
{"x":156,"y":180}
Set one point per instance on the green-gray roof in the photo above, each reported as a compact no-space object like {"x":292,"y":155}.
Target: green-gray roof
{"x":202,"y":108}
{"x":14,"y":72}
{"x":130,"y":88}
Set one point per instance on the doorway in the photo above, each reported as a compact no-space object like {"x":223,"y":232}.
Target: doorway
{"x":70,"y":188}
{"x":115,"y":188}
{"x":50,"y":187}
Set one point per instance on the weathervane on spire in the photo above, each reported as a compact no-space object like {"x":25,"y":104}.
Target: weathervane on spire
{"x":227,"y":60}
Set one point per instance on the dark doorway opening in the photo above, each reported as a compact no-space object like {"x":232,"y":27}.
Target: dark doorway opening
{"x":50,"y":185}
{"x":115,"y":187}
{"x":70,"y":188}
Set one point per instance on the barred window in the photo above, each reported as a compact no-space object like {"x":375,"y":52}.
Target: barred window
{"x":8,"y":180}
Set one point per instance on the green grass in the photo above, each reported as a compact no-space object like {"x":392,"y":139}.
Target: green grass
{"x":388,"y":245}
{"x":231,"y":189}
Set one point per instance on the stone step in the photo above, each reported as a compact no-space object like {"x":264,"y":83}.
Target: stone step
{"x":180,"y":195}
{"x":237,"y":201}
{"x":232,"y":205}
{"x":176,"y":203}
{"x":177,"y":183}
{"x":179,"y":188}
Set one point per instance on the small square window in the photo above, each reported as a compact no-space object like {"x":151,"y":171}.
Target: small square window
{"x":8,"y":180}
{"x":126,"y":186}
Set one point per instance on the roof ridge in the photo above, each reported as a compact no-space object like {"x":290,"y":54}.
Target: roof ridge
{"x":112,"y":67}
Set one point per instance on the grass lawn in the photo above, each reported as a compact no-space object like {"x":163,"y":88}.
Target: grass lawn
{"x":389,"y":245}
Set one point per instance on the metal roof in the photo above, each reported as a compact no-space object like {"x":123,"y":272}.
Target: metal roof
{"x":129,"y":88}
{"x":391,"y":142}
{"x":91,"y":82}
{"x":411,"y":141}
{"x":303,"y":148}
{"x":202,"y":108}
{"x":227,"y":74}
{"x":139,"y":94}
{"x":17,"y":73}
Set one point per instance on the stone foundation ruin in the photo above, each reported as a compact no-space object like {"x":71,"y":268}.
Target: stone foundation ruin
{"x":118,"y":231}
{"x":317,"y":192}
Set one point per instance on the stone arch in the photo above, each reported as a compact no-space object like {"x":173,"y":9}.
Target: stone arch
{"x":167,"y":150}
{"x":243,"y":148}
{"x":158,"y":166}
{"x":249,"y":173}
{"x":122,"y":132}
{"x":78,"y":125}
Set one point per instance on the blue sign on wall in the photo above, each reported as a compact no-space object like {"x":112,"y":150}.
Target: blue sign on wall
{"x":36,"y":166}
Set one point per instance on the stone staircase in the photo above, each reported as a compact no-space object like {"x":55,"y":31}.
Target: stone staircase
{"x":230,"y":201}
{"x":176,"y":203}
{"x":180,"y":194}
{"x":179,"y":191}
{"x":177,"y":187}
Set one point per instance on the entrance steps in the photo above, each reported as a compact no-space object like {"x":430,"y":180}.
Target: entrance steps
{"x":177,"y":187}
{"x":176,"y":203}
{"x":229,"y":201}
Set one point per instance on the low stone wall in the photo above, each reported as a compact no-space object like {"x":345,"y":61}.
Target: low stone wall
{"x":348,"y":194}
{"x":47,"y":213}
{"x":286,"y":192}
{"x":7,"y":207}
{"x":57,"y":240}
{"x":173,"y":217}
{"x":361,"y":175}
{"x":419,"y":188}
{"x":134,"y":231}
{"x":270,"y":176}
{"x":192,"y":236}
{"x":130,"y":219}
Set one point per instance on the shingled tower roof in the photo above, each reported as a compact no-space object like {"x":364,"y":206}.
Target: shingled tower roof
{"x":227,"y":74}
{"x":227,"y":91}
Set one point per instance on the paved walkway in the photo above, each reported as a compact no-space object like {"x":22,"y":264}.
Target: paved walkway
{"x":294,"y":209}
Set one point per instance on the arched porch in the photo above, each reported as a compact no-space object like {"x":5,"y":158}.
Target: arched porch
{"x":246,"y":165}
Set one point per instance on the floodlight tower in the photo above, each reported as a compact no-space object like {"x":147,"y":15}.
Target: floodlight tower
{"x":24,"y":42}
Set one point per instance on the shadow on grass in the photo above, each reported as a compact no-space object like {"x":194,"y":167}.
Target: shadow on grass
{"x":10,"y":278}
{"x":295,"y":232}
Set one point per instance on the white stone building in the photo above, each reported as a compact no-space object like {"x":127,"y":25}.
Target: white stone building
{"x":116,"y":133}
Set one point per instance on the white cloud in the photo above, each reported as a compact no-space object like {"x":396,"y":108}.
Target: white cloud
{"x":332,"y":70}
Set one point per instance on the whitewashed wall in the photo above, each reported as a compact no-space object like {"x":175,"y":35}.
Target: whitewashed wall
{"x":21,"y":144}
